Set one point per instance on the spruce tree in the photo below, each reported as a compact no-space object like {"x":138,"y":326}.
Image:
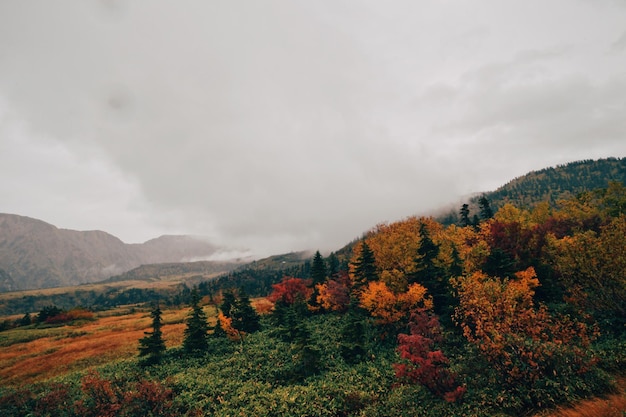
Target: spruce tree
{"x":318,"y":276}
{"x":333,"y":264}
{"x":465,"y":219}
{"x":195,"y":340}
{"x":228,"y":304}
{"x":428,"y":273}
{"x":485,"y":209}
{"x":365,"y":267}
{"x":245,"y":317}
{"x":152,"y":346}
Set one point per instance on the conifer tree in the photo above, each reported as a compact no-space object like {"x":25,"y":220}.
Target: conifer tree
{"x":318,"y":269}
{"x":152,"y":346}
{"x":228,"y":304}
{"x":486,"y":212}
{"x":428,"y":273}
{"x":318,"y":276}
{"x":245,"y":317}
{"x":365,"y":267}
{"x":333,"y":264}
{"x":195,"y":340}
{"x":465,"y":219}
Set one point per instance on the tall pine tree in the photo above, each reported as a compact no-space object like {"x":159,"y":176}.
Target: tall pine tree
{"x":152,"y":346}
{"x":195,"y":340}
{"x":318,"y":276}
{"x":245,"y":317}
{"x":364,"y":267}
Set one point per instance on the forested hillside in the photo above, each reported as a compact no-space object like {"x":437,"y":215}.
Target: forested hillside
{"x":548,"y":185}
{"x":520,"y":312}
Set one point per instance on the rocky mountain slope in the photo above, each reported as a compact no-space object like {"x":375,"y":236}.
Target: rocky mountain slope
{"x":35,"y":254}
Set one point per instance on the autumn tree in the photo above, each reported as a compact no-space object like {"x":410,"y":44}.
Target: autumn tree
{"x":592,"y":267}
{"x":424,"y":364}
{"x":390,"y":308}
{"x":334,"y":294}
{"x":152,"y":346}
{"x":525,"y":344}
{"x":195,"y":335}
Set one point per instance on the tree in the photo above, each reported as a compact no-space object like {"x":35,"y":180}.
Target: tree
{"x":318,"y":277}
{"x":195,"y":335}
{"x":390,"y":308}
{"x":486,"y":212}
{"x":245,"y":318}
{"x":424,"y":365}
{"x":429,"y":274}
{"x":228,"y":303}
{"x":333,"y":264}
{"x":318,"y":269}
{"x":465,"y":219}
{"x":152,"y":346}
{"x":364,"y":267}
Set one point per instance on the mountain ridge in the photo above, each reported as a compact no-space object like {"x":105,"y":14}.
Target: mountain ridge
{"x":36,"y":254}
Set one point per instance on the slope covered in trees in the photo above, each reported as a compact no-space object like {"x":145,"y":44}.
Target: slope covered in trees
{"x":520,"y":312}
{"x":548,"y":185}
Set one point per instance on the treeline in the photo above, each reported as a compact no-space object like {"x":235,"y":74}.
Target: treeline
{"x":549,"y":185}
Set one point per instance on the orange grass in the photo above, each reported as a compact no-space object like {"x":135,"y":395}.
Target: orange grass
{"x":93,"y":343}
{"x":613,"y":405}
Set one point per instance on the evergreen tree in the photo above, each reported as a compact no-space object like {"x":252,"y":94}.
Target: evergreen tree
{"x":228,"y":304}
{"x":485,"y":209}
{"x":464,"y":213}
{"x":195,"y":340}
{"x":318,"y":276}
{"x":365,"y":267}
{"x":333,"y":264}
{"x":26,"y":320}
{"x":152,"y":346}
{"x":318,"y":269}
{"x":245,"y":317}
{"x":353,"y":334}
{"x":428,"y":273}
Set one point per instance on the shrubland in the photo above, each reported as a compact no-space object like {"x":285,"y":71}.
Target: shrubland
{"x":517,"y":313}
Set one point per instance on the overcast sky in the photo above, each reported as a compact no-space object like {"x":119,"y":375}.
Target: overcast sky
{"x":288,"y":125}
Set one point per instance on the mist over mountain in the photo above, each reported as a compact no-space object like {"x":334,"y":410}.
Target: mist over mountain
{"x":35,"y":254}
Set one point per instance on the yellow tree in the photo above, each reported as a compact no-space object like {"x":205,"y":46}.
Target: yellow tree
{"x":389,"y":307}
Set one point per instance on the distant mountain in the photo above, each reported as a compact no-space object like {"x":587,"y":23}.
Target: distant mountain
{"x":549,"y":184}
{"x":35,"y":254}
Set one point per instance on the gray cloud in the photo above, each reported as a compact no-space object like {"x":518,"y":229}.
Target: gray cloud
{"x":285,"y":125}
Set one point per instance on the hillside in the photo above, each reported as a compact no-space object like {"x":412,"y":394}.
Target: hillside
{"x":35,"y":254}
{"x":549,"y":184}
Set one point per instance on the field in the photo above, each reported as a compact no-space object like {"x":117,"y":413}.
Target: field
{"x":31,"y":354}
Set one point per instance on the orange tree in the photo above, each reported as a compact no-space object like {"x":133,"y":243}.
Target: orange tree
{"x":524,"y":344}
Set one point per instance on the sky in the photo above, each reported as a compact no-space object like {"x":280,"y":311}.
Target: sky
{"x":275,"y":126}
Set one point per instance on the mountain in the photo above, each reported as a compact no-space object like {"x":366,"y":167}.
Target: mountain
{"x":548,"y":184}
{"x":35,"y":254}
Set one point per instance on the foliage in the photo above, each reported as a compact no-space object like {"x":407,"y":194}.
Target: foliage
{"x":291,"y":290}
{"x":524,"y":344}
{"x":391,"y":308}
{"x":424,"y":365}
{"x":592,"y":266}
{"x":334,"y":295}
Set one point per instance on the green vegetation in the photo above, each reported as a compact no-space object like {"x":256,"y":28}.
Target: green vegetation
{"x":517,"y":311}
